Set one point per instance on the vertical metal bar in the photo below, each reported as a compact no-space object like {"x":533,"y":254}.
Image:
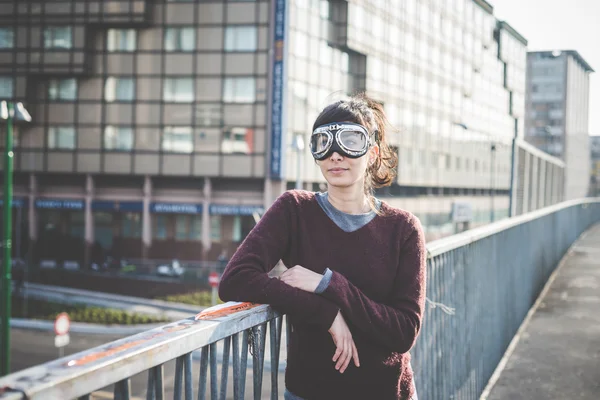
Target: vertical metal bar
{"x":236,"y":366}
{"x":203,"y":373}
{"x":7,"y":244}
{"x":225,"y":367}
{"x":275,"y":327}
{"x":150,"y":395}
{"x":159,"y":388}
{"x":122,"y":390}
{"x":189,"y":385}
{"x":178,"y":390}
{"x":213,"y":372}
{"x":258,"y":358}
{"x":243,"y":364}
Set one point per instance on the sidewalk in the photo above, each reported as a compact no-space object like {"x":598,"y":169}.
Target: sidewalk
{"x":556,"y":354}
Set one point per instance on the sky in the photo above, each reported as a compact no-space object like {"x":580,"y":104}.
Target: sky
{"x":560,"y":25}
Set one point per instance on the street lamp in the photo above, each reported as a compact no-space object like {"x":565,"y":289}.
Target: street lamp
{"x":492,"y":182}
{"x":8,"y":112}
{"x":299,"y":148}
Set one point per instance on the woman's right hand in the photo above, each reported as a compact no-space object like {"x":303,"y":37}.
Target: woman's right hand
{"x":346,"y":349}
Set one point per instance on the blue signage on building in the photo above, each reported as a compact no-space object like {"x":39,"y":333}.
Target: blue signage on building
{"x":176,"y":208}
{"x":226,"y":209}
{"x":278,"y":93}
{"x":114,"y":205}
{"x":16,"y":203}
{"x":60,"y":204}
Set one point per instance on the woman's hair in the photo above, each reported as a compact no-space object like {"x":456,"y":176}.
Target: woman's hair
{"x":363,"y":110}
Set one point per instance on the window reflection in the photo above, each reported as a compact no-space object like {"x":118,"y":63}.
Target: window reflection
{"x":237,"y":140}
{"x":58,"y":37}
{"x":177,"y":139}
{"x":61,"y":137}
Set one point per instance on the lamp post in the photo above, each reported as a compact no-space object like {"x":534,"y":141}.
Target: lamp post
{"x":8,"y":112}
{"x":492,"y":182}
{"x":299,"y":147}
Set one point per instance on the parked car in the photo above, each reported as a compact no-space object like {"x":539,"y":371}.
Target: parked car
{"x":174,"y":269}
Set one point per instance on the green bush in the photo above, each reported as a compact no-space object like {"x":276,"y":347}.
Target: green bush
{"x":46,"y":310}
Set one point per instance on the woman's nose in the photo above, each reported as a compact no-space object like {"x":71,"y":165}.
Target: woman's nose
{"x":335,"y":156}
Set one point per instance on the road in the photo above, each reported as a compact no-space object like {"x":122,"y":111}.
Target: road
{"x":29,"y":348}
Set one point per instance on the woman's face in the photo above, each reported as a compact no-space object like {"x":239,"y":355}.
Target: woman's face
{"x":343,"y":172}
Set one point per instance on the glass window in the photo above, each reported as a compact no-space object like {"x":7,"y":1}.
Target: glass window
{"x":188,"y":227}
{"x":131,"y":225}
{"x":178,"y":139}
{"x":7,"y":38}
{"x":239,"y":90}
{"x":180,"y":39}
{"x":196,"y":227}
{"x":237,"y":140}
{"x":160,"y":226}
{"x":215,"y":228}
{"x":62,"y":89}
{"x":237,"y":229}
{"x":240,"y":38}
{"x":121,"y":39}
{"x":61,"y":137}
{"x":58,"y":37}
{"x":181,"y":227}
{"x":6,"y":87}
{"x":119,"y":89}
{"x":178,"y":90}
{"x":118,"y":137}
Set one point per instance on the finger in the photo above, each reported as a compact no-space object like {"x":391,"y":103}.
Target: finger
{"x":338,"y":352}
{"x":348,"y":357}
{"x":343,"y":357}
{"x":355,"y":354}
{"x":340,"y":357}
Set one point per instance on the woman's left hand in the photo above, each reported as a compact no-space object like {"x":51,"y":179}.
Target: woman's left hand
{"x":301,"y":278}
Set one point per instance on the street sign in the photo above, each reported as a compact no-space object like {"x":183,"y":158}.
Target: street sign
{"x":61,"y":340}
{"x":213,"y":279}
{"x":62,"y":324}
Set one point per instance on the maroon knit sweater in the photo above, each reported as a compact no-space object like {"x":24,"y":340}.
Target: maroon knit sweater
{"x":378,"y":283}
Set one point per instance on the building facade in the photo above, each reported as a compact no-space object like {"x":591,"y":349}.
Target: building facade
{"x":164,"y":128}
{"x":595,"y":166}
{"x":558,"y":113}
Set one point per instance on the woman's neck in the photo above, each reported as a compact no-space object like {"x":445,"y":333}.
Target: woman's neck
{"x":351,"y":200}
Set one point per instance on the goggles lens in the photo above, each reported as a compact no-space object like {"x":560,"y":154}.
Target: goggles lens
{"x":351,"y":140}
{"x":320,"y":142}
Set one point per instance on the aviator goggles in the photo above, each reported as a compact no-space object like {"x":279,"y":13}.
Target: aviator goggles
{"x":346,"y":138}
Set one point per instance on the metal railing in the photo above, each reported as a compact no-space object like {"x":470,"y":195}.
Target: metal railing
{"x":483,"y":282}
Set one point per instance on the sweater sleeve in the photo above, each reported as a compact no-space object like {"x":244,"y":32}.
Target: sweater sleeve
{"x":246,"y":275}
{"x":395,"y":324}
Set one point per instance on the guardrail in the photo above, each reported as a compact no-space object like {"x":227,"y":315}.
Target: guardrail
{"x":483,"y":282}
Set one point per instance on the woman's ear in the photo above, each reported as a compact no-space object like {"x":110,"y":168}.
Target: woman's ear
{"x":373,"y":153}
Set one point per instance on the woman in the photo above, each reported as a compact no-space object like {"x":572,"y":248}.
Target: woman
{"x":355,"y":294}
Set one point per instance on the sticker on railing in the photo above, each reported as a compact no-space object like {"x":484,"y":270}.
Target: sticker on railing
{"x":223,"y":310}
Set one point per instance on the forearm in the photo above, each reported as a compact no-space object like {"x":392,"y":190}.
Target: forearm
{"x":395,"y":327}
{"x":245,"y":283}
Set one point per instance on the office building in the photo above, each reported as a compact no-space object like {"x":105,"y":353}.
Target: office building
{"x":558,"y":113}
{"x":163,"y":129}
{"x":595,"y":166}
